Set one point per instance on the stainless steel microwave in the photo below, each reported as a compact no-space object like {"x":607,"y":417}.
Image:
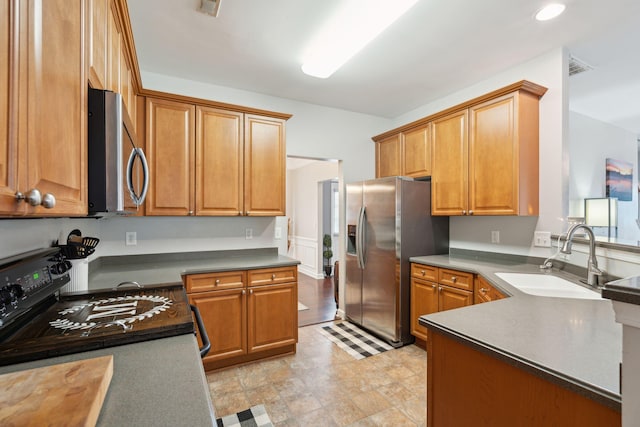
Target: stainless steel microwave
{"x":117,"y":167}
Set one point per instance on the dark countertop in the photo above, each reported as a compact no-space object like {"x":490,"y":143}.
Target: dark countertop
{"x":106,"y":272}
{"x":575,"y":343}
{"x":623,"y":290}
{"x":155,"y":383}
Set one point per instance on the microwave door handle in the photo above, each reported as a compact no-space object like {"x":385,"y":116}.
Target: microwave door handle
{"x":138,"y":199}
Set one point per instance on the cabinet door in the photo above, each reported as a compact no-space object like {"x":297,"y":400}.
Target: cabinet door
{"x":417,"y":153}
{"x":170,"y":154}
{"x":493,"y":158}
{"x":224,"y":316}
{"x":97,"y":43}
{"x":113,"y":49}
{"x":449,"y":298}
{"x":265,"y":166}
{"x":8,"y":109}
{"x":424,"y":300}
{"x":56,"y":104}
{"x":272,"y":317}
{"x":219,"y":162}
{"x":449,"y":190}
{"x":388,"y":157}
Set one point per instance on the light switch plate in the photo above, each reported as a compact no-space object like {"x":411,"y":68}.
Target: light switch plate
{"x":131,"y":238}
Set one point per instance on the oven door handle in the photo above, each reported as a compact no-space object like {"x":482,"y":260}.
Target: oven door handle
{"x":206,"y":345}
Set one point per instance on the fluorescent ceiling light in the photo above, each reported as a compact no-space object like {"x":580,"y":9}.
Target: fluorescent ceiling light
{"x":550,"y":11}
{"x":351,"y":28}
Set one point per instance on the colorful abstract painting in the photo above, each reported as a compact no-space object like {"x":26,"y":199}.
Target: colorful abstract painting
{"x":619,"y":179}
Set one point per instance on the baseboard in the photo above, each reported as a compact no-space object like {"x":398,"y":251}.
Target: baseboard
{"x":309,"y":272}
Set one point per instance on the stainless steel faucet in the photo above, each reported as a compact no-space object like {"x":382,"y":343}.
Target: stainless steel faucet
{"x":592,"y":263}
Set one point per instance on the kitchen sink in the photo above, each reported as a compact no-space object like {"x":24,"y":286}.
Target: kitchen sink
{"x":546,"y":285}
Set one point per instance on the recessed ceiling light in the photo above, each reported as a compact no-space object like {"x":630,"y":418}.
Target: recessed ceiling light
{"x":550,"y":11}
{"x":351,"y":28}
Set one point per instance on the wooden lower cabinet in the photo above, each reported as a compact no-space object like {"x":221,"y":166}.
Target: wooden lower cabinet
{"x":450,"y":298}
{"x":245,"y":322}
{"x":484,"y":292}
{"x":228,"y":308}
{"x":272,"y":322}
{"x":424,"y":300}
{"x":467,"y":387}
{"x":437,"y":289}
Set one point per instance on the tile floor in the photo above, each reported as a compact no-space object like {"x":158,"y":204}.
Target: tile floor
{"x":321,"y":385}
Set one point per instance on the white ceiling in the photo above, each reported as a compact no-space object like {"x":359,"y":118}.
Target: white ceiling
{"x":438,"y":47}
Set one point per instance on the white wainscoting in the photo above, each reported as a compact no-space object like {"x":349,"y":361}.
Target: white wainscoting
{"x":306,"y":250}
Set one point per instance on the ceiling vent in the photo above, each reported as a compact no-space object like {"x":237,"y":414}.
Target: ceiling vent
{"x":210,"y":7}
{"x":577,"y":66}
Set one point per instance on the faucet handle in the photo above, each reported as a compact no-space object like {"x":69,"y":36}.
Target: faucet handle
{"x":546,"y":265}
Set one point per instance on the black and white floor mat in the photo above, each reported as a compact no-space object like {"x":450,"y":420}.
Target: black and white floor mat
{"x":255,"y":416}
{"x":354,"y":340}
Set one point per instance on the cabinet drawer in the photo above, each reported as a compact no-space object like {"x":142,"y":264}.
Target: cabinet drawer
{"x":456,"y":279}
{"x":271,"y":276}
{"x":484,"y":292}
{"x":425,"y":272}
{"x":215,"y":281}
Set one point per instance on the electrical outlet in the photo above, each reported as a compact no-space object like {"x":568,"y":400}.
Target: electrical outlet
{"x":131,"y":238}
{"x":248,"y":233}
{"x":542,"y":239}
{"x":278,"y":233}
{"x":495,"y":236}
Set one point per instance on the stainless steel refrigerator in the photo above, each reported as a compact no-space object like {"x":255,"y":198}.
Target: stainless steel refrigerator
{"x":388,"y":221}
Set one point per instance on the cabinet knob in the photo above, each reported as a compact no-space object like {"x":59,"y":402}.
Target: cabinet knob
{"x":453,"y":279}
{"x":273,"y":277}
{"x":244,"y":292}
{"x":433,"y":286}
{"x":191,"y":213}
{"x":470,"y":211}
{"x":251,"y":291}
{"x":48,"y":201}
{"x":439,"y":288}
{"x":483,"y":290}
{"x":217,"y":281}
{"x":464,"y":212}
{"x":422,"y":272}
{"x":35,"y":198}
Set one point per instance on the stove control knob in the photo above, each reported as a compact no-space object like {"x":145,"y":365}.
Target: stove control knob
{"x":16,"y":290}
{"x":5,"y":295}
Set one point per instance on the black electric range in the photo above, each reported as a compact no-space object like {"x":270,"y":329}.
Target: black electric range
{"x":37,"y":322}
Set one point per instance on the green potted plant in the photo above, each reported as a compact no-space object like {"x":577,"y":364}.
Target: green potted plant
{"x":327,"y":253}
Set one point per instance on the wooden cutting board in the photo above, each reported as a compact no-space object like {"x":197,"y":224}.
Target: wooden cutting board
{"x":67,"y":394}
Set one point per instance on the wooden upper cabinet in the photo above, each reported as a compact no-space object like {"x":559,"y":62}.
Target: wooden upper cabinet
{"x":219,"y":162}
{"x":264,"y":166}
{"x":389,"y":156}
{"x":170,"y":154}
{"x":503,"y":156}
{"x":114,"y":40}
{"x":416,"y":155}
{"x":449,"y":189}
{"x":53,"y":120}
{"x":97,"y":36}
{"x":9,"y":163}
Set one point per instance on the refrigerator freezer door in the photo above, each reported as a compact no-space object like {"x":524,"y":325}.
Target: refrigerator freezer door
{"x":381,"y":273}
{"x":353,"y":272}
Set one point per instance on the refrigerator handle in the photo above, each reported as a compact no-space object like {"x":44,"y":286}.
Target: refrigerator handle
{"x":362,"y":237}
{"x":358,"y":238}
